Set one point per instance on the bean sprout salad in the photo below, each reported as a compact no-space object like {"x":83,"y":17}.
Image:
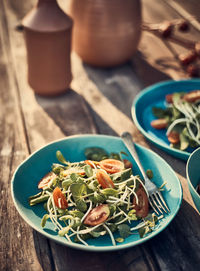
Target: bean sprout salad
{"x":94,"y":197}
{"x":181,"y":119}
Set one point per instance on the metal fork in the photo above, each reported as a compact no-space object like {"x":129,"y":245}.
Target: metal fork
{"x":156,"y":200}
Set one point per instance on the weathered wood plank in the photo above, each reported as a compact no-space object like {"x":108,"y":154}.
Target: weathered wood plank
{"x":16,"y":246}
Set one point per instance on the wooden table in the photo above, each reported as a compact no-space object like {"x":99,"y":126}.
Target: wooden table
{"x":99,"y":102}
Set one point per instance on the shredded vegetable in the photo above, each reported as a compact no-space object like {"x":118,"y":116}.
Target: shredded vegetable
{"x":181,"y":119}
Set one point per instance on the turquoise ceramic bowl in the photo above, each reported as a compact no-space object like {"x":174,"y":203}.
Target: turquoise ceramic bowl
{"x":193,"y":176}
{"x":154,"y":96}
{"x":25,"y":179}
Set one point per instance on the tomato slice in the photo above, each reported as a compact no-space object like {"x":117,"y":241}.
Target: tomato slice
{"x":142,"y":208}
{"x":159,"y":123}
{"x":91,"y":163}
{"x":192,"y":96}
{"x":59,"y":198}
{"x":168,"y":98}
{"x":173,"y":137}
{"x":46,"y":179}
{"x":104,"y":179}
{"x":112,"y":165}
{"x":127,"y":163}
{"x":97,"y":215}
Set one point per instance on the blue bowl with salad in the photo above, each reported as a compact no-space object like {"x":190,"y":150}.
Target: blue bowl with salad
{"x":83,"y":191}
{"x":168,"y":114}
{"x":193,"y":177}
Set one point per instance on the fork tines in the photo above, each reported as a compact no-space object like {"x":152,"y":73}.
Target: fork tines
{"x":157,"y":203}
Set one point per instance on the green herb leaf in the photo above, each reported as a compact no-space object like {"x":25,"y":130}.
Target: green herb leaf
{"x":150,"y":222}
{"x":77,"y":223}
{"x":109,"y":191}
{"x":124,"y":230}
{"x":114,"y":155}
{"x":44,"y":220}
{"x":97,"y":198}
{"x":126,"y":174}
{"x":57,"y":169}
{"x":112,"y":209}
{"x":184,"y":142}
{"x":66,"y":183}
{"x":119,"y":240}
{"x":143,"y":231}
{"x":177,"y":96}
{"x":81,"y":205}
{"x":95,"y":153}
{"x":61,"y":158}
{"x":98,"y":232}
{"x":76,"y":213}
{"x":74,"y":177}
{"x":175,"y":113}
{"x":88,"y":171}
{"x":159,"y":112}
{"x":132,"y":215}
{"x":64,"y":231}
{"x":78,"y":191}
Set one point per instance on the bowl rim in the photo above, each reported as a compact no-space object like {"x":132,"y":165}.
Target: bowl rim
{"x":90,"y":247}
{"x":187,"y":173}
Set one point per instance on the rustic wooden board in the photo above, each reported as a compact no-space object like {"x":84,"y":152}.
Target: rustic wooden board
{"x":15,"y":234}
{"x":98,"y":102}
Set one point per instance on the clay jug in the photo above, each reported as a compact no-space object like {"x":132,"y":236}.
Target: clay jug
{"x":47,"y":31}
{"x":106,"y":32}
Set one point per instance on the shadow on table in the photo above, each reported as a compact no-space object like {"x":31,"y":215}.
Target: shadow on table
{"x":73,"y":115}
{"x":122,"y":83}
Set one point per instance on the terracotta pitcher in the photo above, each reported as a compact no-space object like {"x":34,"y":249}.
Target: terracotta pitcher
{"x":106,"y":32}
{"x":47,"y":31}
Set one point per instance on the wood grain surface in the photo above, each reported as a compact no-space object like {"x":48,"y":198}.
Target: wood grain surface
{"x":99,"y":101}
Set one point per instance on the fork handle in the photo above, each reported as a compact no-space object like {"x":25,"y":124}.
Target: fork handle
{"x":127,"y":139}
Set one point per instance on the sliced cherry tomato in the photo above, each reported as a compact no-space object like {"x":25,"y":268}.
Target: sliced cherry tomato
{"x":159,"y":123}
{"x":127,"y":163}
{"x":46,"y":179}
{"x":168,"y":98}
{"x":192,"y":96}
{"x":104,"y":179}
{"x":111,"y":165}
{"x":173,"y":137}
{"x":142,"y":208}
{"x":97,"y":215}
{"x":91,"y":163}
{"x":59,"y":199}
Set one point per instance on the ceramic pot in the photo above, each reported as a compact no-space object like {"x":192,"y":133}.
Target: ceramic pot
{"x":106,"y":32}
{"x":47,"y":31}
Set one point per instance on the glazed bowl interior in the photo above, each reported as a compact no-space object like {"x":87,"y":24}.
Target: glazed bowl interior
{"x":193,"y":176}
